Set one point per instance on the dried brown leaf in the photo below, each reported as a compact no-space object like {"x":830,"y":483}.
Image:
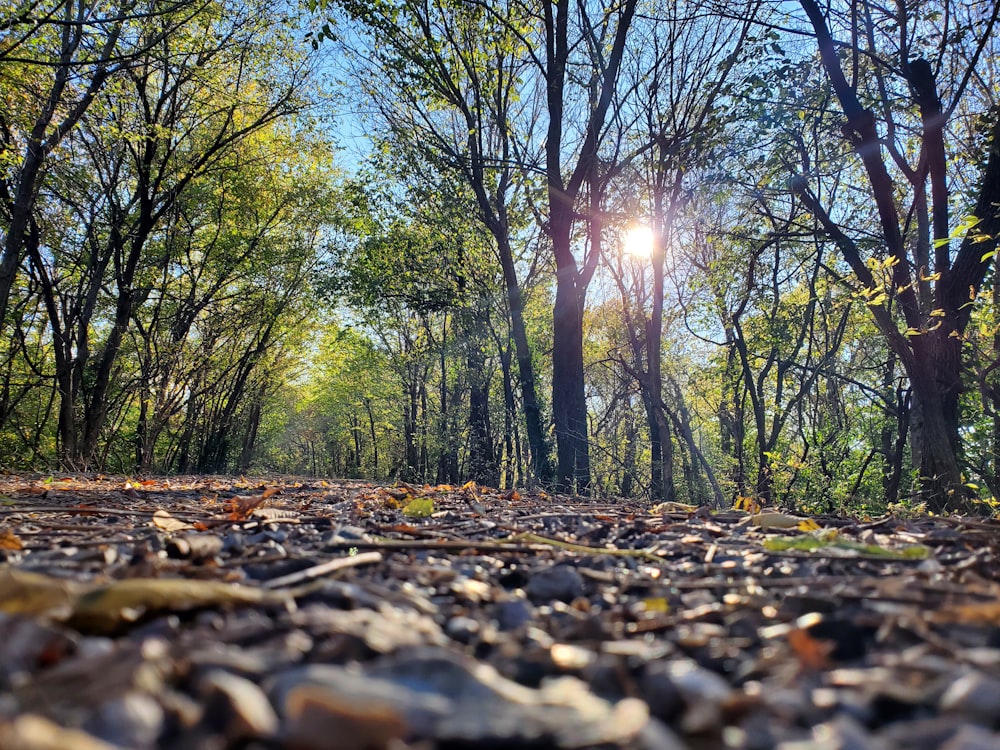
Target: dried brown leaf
{"x":812,"y":652}
{"x":10,"y":541}
{"x":166,"y":522}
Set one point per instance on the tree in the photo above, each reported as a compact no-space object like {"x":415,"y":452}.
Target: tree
{"x":181,"y":128}
{"x":62,"y":53}
{"x":604,"y":36}
{"x":683,"y":71}
{"x":456,"y":103}
{"x":891,"y":99}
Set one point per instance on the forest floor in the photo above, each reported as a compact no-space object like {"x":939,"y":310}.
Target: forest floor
{"x":200,"y":612}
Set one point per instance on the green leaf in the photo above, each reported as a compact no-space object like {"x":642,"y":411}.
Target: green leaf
{"x":419,"y":507}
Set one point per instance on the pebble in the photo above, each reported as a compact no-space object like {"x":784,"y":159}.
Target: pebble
{"x":513,"y":614}
{"x":973,"y":738}
{"x":974,"y":695}
{"x":313,"y":695}
{"x":661,"y":692}
{"x":559,"y":582}
{"x":237,"y":706}
{"x":134,"y":720}
{"x":703,"y":692}
{"x":462,"y":629}
{"x":33,"y":732}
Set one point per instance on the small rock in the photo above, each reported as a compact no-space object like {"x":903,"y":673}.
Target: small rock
{"x":237,"y":707}
{"x":462,"y":629}
{"x":931,"y":733}
{"x":513,"y":614}
{"x":32,"y":732}
{"x":319,"y":701}
{"x":135,"y":720}
{"x":346,"y":534}
{"x":196,"y":547}
{"x":560,"y":582}
{"x":234,"y":543}
{"x":657,"y":736}
{"x":974,"y":695}
{"x":704,"y":694}
{"x":660,"y":691}
{"x":843,"y":733}
{"x":973,"y":738}
{"x":27,"y":645}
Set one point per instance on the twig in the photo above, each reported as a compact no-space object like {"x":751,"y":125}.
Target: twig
{"x":317,"y":571}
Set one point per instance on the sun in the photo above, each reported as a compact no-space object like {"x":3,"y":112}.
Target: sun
{"x":639,"y":242}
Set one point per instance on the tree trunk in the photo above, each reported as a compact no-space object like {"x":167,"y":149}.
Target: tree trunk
{"x":569,"y":406}
{"x":538,"y":445}
{"x":483,"y":467}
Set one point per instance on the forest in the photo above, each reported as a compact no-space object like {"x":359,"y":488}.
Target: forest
{"x":699,"y":251}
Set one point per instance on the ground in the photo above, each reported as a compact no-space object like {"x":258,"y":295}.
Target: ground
{"x":208,"y":612}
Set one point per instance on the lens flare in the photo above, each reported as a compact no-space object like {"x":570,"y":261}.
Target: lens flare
{"x":639,"y":242}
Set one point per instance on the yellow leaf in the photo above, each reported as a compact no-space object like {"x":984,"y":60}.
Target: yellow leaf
{"x":672,"y":507}
{"x":746,"y":503}
{"x":775,"y":520}
{"x":657,"y":604}
{"x":808,"y":524}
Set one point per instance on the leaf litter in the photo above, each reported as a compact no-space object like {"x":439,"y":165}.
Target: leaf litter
{"x":228,"y":612}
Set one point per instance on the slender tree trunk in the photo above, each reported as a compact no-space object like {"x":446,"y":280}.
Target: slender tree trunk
{"x":655,"y":451}
{"x":371,"y":428}
{"x":569,"y":406}
{"x":250,"y":437}
{"x":482,"y":457}
{"x":538,"y":445}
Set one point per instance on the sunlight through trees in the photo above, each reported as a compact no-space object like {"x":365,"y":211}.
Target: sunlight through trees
{"x":690,"y":251}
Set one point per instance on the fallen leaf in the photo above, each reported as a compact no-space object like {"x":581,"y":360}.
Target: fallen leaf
{"x":775,"y":520}
{"x":23,"y":592}
{"x":10,"y":541}
{"x":419,"y":507}
{"x":846,"y":548}
{"x":746,"y":503}
{"x":812,"y":652}
{"x":672,"y":507}
{"x":166,"y":522}
{"x":239,"y":507}
{"x":107,"y":608}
